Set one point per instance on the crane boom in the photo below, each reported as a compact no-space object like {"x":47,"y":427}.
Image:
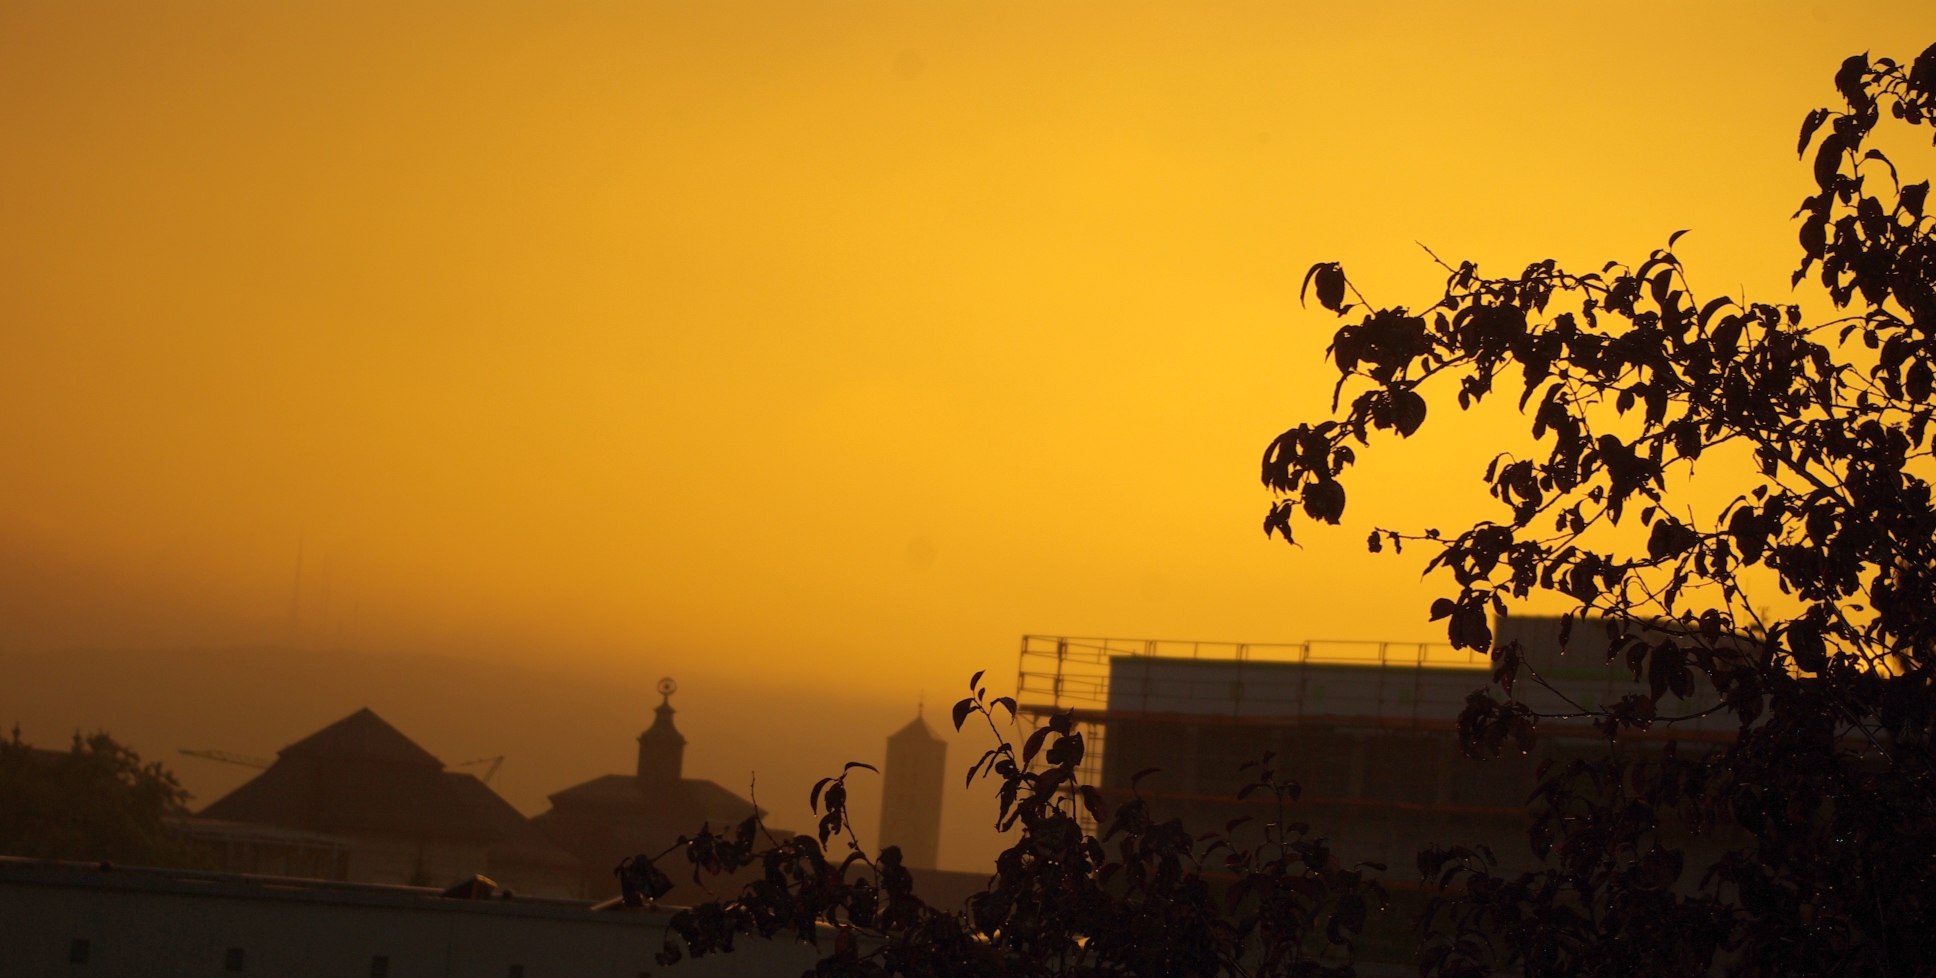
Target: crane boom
{"x":226,"y":757}
{"x":491,"y":772}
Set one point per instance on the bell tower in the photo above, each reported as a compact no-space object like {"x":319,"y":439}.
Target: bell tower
{"x":662,"y":749}
{"x":917,"y":767}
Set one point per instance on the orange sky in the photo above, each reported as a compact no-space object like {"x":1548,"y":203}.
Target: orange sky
{"x":834,"y":343}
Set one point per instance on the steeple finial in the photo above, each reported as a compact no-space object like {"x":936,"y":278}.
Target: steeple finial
{"x":662,"y":749}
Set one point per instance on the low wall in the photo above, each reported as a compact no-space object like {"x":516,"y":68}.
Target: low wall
{"x":78,"y":920}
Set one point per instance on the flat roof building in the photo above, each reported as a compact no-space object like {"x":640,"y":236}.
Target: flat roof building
{"x":1368,"y":730}
{"x":63,"y":919}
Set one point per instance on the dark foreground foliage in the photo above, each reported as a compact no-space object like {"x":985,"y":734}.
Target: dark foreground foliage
{"x":96,"y":800}
{"x":1816,"y":828}
{"x":1140,"y":898}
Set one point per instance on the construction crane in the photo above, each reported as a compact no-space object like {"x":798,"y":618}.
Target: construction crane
{"x":491,"y":772}
{"x":259,"y":763}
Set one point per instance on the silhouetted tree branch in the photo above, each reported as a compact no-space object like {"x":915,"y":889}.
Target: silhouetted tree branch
{"x":1817,"y":823}
{"x":1142,"y":898}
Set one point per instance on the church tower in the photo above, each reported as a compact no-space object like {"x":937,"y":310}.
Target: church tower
{"x":917,"y":766}
{"x":614,"y":816}
{"x":662,"y":749}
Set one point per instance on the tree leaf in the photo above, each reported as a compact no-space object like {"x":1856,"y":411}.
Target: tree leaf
{"x":1811,"y":123}
{"x":1408,"y":412}
{"x":1331,"y":284}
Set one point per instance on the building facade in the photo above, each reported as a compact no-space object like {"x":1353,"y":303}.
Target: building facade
{"x":64,"y":919}
{"x":1368,"y":731}
{"x":911,"y":785}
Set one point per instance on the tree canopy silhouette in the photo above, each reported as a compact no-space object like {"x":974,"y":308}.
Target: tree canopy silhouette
{"x":1819,"y":820}
{"x":96,"y":800}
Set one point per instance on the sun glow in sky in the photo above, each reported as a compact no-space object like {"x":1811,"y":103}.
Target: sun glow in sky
{"x":834,"y":344}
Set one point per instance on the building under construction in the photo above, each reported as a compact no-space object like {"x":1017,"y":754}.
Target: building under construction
{"x":1367,"y":729}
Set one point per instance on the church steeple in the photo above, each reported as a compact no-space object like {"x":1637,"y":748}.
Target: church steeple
{"x":662,"y":749}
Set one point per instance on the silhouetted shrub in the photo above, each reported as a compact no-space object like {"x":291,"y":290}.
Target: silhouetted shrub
{"x":1140,"y":898}
{"x":95,"y":801}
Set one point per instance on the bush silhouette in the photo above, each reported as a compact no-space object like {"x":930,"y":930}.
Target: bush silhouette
{"x":95,"y":801}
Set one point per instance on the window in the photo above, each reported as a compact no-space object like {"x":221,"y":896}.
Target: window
{"x":380,"y":967}
{"x":234,"y":960}
{"x":77,"y":951}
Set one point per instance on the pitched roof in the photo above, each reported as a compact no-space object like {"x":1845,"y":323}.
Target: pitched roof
{"x":360,"y":776}
{"x":607,"y":789}
{"x":518,"y":840}
{"x":721,"y":807}
{"x":916,"y":729}
{"x":324,"y":795}
{"x":606,"y":819}
{"x":695,"y":796}
{"x":362,"y":736}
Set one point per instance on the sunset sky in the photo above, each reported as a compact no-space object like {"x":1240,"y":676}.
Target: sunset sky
{"x":830,"y":346}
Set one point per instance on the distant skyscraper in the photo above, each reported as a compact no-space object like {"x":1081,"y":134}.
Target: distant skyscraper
{"x":917,"y":765}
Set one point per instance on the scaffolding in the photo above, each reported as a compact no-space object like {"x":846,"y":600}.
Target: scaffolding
{"x":1057,"y":674}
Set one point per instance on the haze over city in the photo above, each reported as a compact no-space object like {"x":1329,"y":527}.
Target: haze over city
{"x":484,"y":363}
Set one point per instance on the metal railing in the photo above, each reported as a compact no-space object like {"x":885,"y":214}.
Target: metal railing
{"x":1057,"y":673}
{"x":1061,"y":672}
